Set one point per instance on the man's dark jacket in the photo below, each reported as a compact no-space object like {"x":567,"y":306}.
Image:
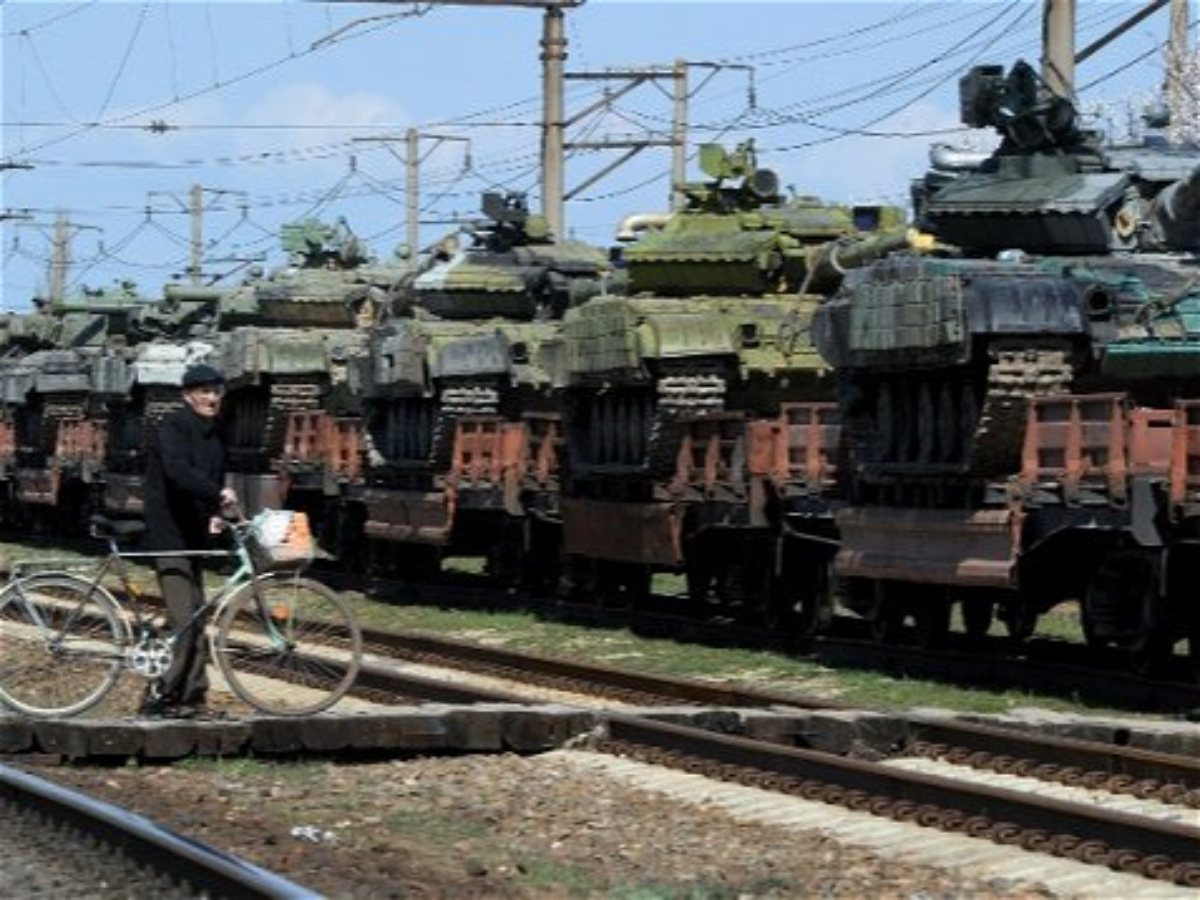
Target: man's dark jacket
{"x":185,"y":471}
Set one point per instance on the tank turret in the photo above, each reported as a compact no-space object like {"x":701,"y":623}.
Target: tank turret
{"x":739,"y":235}
{"x":1052,"y":186}
{"x":511,"y":266}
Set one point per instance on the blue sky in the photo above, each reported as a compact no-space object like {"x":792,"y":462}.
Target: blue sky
{"x":113,"y":110}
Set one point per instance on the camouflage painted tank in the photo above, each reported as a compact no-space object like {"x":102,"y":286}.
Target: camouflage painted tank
{"x":287,"y":345}
{"x":714,"y":332}
{"x":458,"y":403}
{"x":65,"y":367}
{"x":1068,"y":267}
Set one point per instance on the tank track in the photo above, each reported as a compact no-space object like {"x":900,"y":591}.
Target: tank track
{"x":57,"y":409}
{"x":454,"y":402}
{"x":680,"y":396}
{"x":63,"y":407}
{"x":287,"y":398}
{"x":1014,"y":376}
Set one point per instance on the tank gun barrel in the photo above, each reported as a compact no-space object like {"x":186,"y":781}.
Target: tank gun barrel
{"x":195,"y":293}
{"x":831,"y":261}
{"x":1176,"y":213}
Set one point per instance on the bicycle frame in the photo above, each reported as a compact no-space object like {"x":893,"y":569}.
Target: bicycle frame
{"x":71,"y":630}
{"x":134,"y":617}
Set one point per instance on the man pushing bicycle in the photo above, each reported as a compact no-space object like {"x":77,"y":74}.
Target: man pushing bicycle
{"x":184,"y":494}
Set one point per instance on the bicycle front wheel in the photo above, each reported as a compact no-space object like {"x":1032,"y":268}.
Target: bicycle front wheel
{"x":62,"y":645}
{"x":288,"y":645}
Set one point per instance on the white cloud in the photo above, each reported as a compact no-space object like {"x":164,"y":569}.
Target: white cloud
{"x":325,"y":114}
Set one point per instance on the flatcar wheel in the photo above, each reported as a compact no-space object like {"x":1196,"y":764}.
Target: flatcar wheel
{"x":637,"y":584}
{"x":815,"y":610}
{"x":1019,"y":620}
{"x":1194,"y":651}
{"x":1151,"y":653}
{"x":606,"y":590}
{"x":700,"y":574}
{"x":542,"y":565}
{"x":977,"y":616}
{"x":931,"y":618}
{"x":886,"y":614}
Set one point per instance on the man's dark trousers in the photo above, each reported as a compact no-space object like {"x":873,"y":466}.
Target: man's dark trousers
{"x":181,"y":579}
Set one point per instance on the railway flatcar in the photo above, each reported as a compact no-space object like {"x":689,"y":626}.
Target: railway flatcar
{"x":1016,"y":411}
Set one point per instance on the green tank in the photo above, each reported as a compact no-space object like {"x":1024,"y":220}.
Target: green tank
{"x":1067,"y":266}
{"x":714,"y":333}
{"x":287,"y":343}
{"x":66,"y":364}
{"x":458,"y":403}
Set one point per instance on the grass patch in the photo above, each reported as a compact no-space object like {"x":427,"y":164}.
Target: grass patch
{"x":526,"y":632}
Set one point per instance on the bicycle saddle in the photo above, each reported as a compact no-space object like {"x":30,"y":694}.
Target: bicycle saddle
{"x":103,"y":527}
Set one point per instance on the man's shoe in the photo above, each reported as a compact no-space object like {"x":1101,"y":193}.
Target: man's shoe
{"x":159,"y":708}
{"x":154,"y":707}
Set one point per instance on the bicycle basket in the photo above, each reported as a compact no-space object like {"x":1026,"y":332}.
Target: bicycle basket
{"x":280,"y":539}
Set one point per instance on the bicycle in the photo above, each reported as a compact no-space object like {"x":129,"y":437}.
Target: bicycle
{"x":66,"y":639}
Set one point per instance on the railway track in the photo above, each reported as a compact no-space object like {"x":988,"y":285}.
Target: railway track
{"x":59,"y":842}
{"x":1118,"y":808}
{"x":1157,"y":848}
{"x":1114,"y":766}
{"x":1038,"y":666}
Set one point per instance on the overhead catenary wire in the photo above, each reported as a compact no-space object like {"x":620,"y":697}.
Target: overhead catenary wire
{"x":517,"y":170}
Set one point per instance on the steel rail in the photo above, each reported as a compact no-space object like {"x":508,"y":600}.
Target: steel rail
{"x":1162,"y":847}
{"x":207,"y":870}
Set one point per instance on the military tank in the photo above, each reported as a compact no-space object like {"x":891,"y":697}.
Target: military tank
{"x":64,"y":364}
{"x":662,"y":389}
{"x":1069,"y":268}
{"x":287,"y":343}
{"x":461,"y":426}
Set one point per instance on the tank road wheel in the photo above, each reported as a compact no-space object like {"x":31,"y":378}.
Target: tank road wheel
{"x":885,"y":614}
{"x":946,"y":422}
{"x":885,"y":419}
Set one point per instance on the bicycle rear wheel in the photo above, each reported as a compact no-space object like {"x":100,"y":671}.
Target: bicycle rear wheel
{"x":288,"y":645}
{"x":62,"y":645}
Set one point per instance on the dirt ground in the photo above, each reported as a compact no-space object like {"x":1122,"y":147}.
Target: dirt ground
{"x":499,"y":827}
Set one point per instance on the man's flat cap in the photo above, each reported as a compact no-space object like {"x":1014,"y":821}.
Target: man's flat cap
{"x":200,"y":375}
